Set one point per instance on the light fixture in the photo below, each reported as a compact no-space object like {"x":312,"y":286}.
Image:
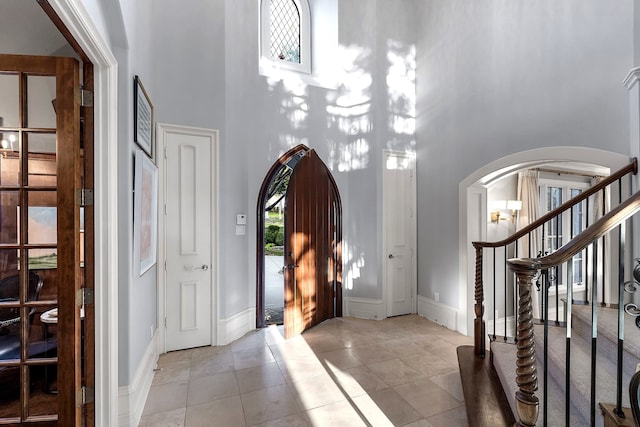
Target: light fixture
{"x":7,"y":143}
{"x":498,"y":206}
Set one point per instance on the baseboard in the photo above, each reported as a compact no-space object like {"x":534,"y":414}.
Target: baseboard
{"x":437,"y":312}
{"x":364,"y":308}
{"x":132,"y":397}
{"x":236,"y":326}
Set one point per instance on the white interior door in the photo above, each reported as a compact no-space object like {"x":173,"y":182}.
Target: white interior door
{"x":399,"y":200}
{"x":188,"y":234}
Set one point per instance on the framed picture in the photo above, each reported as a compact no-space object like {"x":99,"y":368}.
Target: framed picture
{"x":142,"y":118}
{"x":145,"y":215}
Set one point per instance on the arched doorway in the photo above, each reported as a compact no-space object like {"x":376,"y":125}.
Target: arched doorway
{"x":473,"y":205}
{"x":306,"y":253}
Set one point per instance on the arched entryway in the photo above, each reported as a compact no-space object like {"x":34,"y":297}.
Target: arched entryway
{"x":473,"y":205}
{"x":308,"y":249}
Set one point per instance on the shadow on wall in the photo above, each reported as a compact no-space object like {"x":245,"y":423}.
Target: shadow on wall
{"x":369,"y":110}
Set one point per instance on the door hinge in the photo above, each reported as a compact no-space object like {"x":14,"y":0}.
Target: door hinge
{"x":85,"y":395}
{"x":84,"y":197}
{"x":84,"y":97}
{"x":84,"y":296}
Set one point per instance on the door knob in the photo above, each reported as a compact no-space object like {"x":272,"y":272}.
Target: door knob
{"x":204,"y":267}
{"x":390,"y":256}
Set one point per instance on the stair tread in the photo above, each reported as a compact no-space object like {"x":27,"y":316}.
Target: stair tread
{"x":608,"y":326}
{"x":504,"y":361}
{"x":580,"y":366}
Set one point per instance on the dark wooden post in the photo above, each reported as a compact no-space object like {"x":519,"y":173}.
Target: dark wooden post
{"x":478,"y":323}
{"x":527,"y":403}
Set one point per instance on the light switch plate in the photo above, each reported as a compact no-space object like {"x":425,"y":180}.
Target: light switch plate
{"x":240,"y":230}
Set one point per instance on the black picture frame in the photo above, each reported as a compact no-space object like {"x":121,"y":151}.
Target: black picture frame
{"x":142,"y":118}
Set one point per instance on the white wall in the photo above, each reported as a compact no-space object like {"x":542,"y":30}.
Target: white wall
{"x":497,"y":78}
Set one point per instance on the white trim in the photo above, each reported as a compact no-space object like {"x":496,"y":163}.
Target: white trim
{"x":511,"y":163}
{"x":365,"y":308}
{"x":132,"y":397}
{"x":236,"y":326}
{"x":264,"y":22}
{"x":386,"y":289}
{"x":82,"y":27}
{"x":438,"y":312}
{"x":632,"y":78}
{"x":162,"y":130}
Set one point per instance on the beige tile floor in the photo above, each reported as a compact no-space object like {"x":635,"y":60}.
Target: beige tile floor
{"x":401,"y":371}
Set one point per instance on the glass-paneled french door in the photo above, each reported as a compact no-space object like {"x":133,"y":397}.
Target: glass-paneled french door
{"x":41,"y":257}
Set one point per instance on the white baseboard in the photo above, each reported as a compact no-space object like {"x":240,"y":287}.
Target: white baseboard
{"x":364,"y":308}
{"x":132,"y":397}
{"x":437,"y":312}
{"x":236,"y":326}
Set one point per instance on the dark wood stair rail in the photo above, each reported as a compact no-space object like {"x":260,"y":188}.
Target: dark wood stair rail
{"x":525,"y":269}
{"x":479,"y":323}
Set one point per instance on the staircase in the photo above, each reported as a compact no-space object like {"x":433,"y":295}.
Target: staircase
{"x":574,"y":369}
{"x":580,"y":414}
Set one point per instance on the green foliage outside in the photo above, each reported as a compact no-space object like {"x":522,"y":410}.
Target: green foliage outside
{"x":274,"y":234}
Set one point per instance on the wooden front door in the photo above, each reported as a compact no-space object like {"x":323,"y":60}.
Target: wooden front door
{"x":41,"y":260}
{"x":313,"y":264}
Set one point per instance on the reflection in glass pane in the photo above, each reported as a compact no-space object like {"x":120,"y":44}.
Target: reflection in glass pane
{"x":9,"y":158}
{"x":42,"y":159}
{"x":41,"y":94}
{"x":8,"y":221}
{"x":41,"y":218}
{"x":43,"y":399}
{"x":43,"y":272}
{"x":10,"y":95}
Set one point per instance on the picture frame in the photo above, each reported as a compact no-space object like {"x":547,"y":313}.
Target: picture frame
{"x":145,"y":217}
{"x":142,"y":118}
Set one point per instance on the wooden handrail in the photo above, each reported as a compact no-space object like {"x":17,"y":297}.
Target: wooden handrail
{"x":582,"y":240}
{"x":630,"y":168}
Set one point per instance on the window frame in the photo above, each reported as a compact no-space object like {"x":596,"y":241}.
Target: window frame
{"x":305,"y":38}
{"x":567,"y":233}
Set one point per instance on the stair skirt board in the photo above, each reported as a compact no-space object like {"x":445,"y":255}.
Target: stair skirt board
{"x":504,"y":360}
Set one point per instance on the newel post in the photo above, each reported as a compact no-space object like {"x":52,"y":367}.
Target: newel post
{"x":527,"y":403}
{"x":478,"y":323}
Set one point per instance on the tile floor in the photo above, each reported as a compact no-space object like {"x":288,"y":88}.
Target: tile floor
{"x":401,"y":371}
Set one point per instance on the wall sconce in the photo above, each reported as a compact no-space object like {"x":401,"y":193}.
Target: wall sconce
{"x":6,"y":144}
{"x":505,"y":205}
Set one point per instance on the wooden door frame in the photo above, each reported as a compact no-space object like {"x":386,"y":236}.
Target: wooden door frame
{"x":386,"y":289}
{"x":162,"y":130}
{"x":81,"y":28}
{"x":260,"y":280}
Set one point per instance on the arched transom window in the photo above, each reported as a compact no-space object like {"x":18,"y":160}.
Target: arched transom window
{"x":285,"y":34}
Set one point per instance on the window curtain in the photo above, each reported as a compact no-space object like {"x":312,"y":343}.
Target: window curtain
{"x":528,"y":244}
{"x":530,"y":211}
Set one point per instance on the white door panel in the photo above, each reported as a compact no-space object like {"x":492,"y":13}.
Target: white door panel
{"x":399,"y":233}
{"x":188,"y":237}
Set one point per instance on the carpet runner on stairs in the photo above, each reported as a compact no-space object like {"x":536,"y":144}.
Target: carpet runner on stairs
{"x":504,"y":358}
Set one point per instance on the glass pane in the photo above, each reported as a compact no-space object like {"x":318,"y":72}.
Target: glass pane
{"x":9,"y":159}
{"x":9,"y":201}
{"x":43,"y":274}
{"x":41,"y":223}
{"x":41,"y":95}
{"x":285,"y":30}
{"x":10,"y":391}
{"x":10,"y":95}
{"x":42,"y":166}
{"x":43,"y":399}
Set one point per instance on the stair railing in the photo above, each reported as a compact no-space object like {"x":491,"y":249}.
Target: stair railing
{"x":526,"y":269}
{"x":510,"y":249}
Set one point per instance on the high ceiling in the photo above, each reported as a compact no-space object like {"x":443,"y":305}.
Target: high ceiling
{"x":26,"y":29}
